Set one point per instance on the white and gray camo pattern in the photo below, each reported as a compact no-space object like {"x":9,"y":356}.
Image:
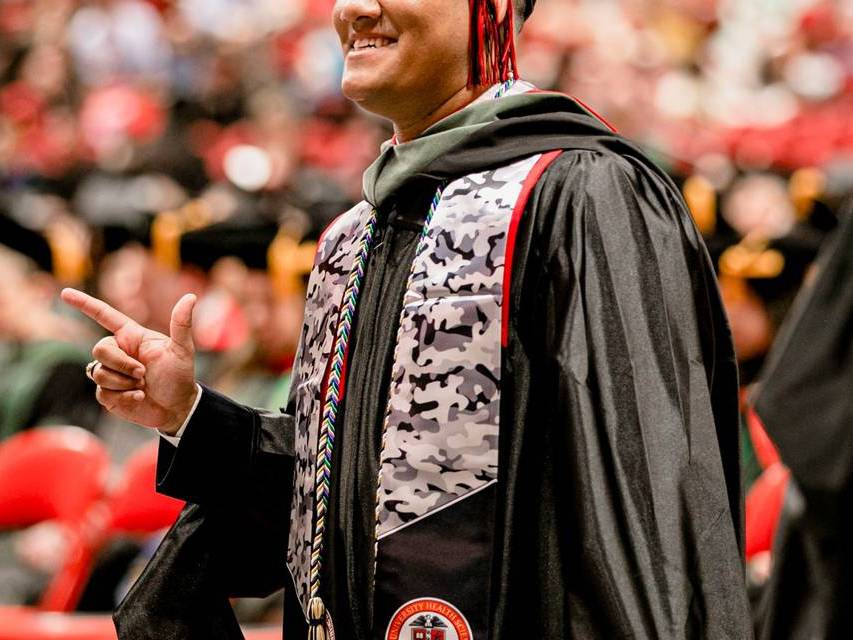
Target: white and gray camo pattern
{"x":336,"y":254}
{"x":444,"y":405}
{"x":442,"y":424}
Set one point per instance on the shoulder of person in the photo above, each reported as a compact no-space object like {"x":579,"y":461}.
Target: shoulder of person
{"x":593,"y":174}
{"x":619,"y":193}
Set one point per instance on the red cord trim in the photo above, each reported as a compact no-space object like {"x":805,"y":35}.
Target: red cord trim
{"x":596,"y":114}
{"x":329,"y":226}
{"x":526,"y":189}
{"x":586,"y":107}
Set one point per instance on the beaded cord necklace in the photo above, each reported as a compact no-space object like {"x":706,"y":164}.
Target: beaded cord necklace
{"x":334,"y":392}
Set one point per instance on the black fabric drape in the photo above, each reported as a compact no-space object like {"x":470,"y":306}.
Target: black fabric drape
{"x":804,"y":398}
{"x":619,"y":504}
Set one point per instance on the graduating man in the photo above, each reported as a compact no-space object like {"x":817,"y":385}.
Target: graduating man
{"x":514,"y":410}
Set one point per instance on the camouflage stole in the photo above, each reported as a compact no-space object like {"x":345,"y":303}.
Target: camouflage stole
{"x":439,"y":460}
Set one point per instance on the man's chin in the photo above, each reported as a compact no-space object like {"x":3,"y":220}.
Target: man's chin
{"x":365,"y":93}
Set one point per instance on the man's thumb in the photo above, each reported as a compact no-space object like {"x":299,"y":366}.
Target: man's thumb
{"x":181,"y":326}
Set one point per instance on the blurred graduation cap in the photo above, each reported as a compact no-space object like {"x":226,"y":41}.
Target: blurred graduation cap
{"x":774,"y":269}
{"x":768,"y":273}
{"x":58,"y":248}
{"x":798,"y":250}
{"x":258,"y":243}
{"x":809,"y":188}
{"x":702,"y":201}
{"x":119,"y":233}
{"x":247,"y":239}
{"x":27,"y":242}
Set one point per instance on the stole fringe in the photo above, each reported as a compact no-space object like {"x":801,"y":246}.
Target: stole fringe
{"x":492,"y":45}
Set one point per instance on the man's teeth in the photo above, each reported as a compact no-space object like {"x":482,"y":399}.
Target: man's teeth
{"x":370,"y":43}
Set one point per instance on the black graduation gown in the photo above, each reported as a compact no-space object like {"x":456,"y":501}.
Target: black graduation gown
{"x":619,"y":511}
{"x":804,"y":398}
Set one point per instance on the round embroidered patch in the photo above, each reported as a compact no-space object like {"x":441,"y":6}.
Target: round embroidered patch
{"x":428,"y":619}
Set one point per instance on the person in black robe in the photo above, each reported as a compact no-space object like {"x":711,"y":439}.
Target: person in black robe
{"x":803,"y":398}
{"x":619,"y":511}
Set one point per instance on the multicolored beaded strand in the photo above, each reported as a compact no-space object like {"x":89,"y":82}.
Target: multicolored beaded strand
{"x":506,"y":86}
{"x":326,"y":442}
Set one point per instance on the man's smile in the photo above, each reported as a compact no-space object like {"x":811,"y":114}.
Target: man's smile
{"x":366,"y":43}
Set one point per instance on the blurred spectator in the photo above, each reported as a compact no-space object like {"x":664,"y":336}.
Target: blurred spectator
{"x":41,"y":351}
{"x":804,"y":401}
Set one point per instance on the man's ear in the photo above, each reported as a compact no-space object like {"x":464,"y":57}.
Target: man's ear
{"x":501,"y":8}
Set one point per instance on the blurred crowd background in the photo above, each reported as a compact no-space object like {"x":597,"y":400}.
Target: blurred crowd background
{"x":153,"y":147}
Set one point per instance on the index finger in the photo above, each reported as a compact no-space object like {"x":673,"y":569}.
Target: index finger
{"x":110,"y":319}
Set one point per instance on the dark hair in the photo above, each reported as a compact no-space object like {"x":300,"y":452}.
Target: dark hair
{"x":523,"y":9}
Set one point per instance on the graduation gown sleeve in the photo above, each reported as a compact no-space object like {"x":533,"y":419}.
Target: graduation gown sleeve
{"x":227,"y":450}
{"x":234,"y":467}
{"x":639,"y":367}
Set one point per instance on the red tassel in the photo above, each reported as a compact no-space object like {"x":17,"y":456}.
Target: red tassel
{"x":492,"y":45}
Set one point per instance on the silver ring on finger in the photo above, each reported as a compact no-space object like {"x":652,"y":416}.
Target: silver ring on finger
{"x":90,"y":369}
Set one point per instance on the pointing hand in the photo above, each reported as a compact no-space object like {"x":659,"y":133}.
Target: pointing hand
{"x":144,"y":376}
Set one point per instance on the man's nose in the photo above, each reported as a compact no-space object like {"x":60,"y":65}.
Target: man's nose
{"x":354,"y":11}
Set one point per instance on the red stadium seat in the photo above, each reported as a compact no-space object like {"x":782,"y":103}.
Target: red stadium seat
{"x":50,"y":473}
{"x":132,"y":507}
{"x":21,"y":623}
{"x":56,"y":473}
{"x":134,"y":504}
{"x":60,"y":473}
{"x":763,"y":508}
